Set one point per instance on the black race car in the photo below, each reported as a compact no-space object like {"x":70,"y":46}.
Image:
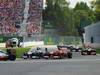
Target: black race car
{"x":88,"y":52}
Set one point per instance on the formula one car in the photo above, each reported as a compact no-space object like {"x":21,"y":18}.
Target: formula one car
{"x":88,"y":52}
{"x":9,"y":55}
{"x":74,"y":49}
{"x":3,"y":55}
{"x":58,"y":54}
{"x":37,"y":54}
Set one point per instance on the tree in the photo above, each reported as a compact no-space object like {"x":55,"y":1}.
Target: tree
{"x":66,"y":20}
{"x":81,"y":6}
{"x":84,"y":16}
{"x":60,"y":15}
{"x":96,"y":6}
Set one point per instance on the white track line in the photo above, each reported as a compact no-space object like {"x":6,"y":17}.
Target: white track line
{"x":47,"y":61}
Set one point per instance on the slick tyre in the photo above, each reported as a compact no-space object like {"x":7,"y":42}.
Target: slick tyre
{"x":69,"y":55}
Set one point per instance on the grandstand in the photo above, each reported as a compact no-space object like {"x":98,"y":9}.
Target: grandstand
{"x":20,"y":17}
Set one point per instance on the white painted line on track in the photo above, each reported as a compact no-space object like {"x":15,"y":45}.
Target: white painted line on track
{"x":47,"y":61}
{"x":98,"y":54}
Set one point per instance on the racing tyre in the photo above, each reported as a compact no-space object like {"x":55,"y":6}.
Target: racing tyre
{"x":13,"y":58}
{"x":69,"y":55}
{"x":61,"y":56}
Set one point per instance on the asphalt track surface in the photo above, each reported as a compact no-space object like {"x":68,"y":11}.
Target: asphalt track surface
{"x":78,"y":65}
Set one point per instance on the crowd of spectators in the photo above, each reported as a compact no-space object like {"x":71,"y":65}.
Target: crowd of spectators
{"x":35,"y":15}
{"x":12,"y":15}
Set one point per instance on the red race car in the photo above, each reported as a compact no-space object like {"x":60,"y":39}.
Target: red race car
{"x":3,"y":55}
{"x":61,"y":53}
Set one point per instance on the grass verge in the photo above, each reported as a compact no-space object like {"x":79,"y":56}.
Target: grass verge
{"x":98,"y":51}
{"x":19,"y":51}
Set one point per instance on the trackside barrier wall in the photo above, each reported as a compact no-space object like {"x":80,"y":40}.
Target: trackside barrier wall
{"x":37,"y":43}
{"x":27,"y":44}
